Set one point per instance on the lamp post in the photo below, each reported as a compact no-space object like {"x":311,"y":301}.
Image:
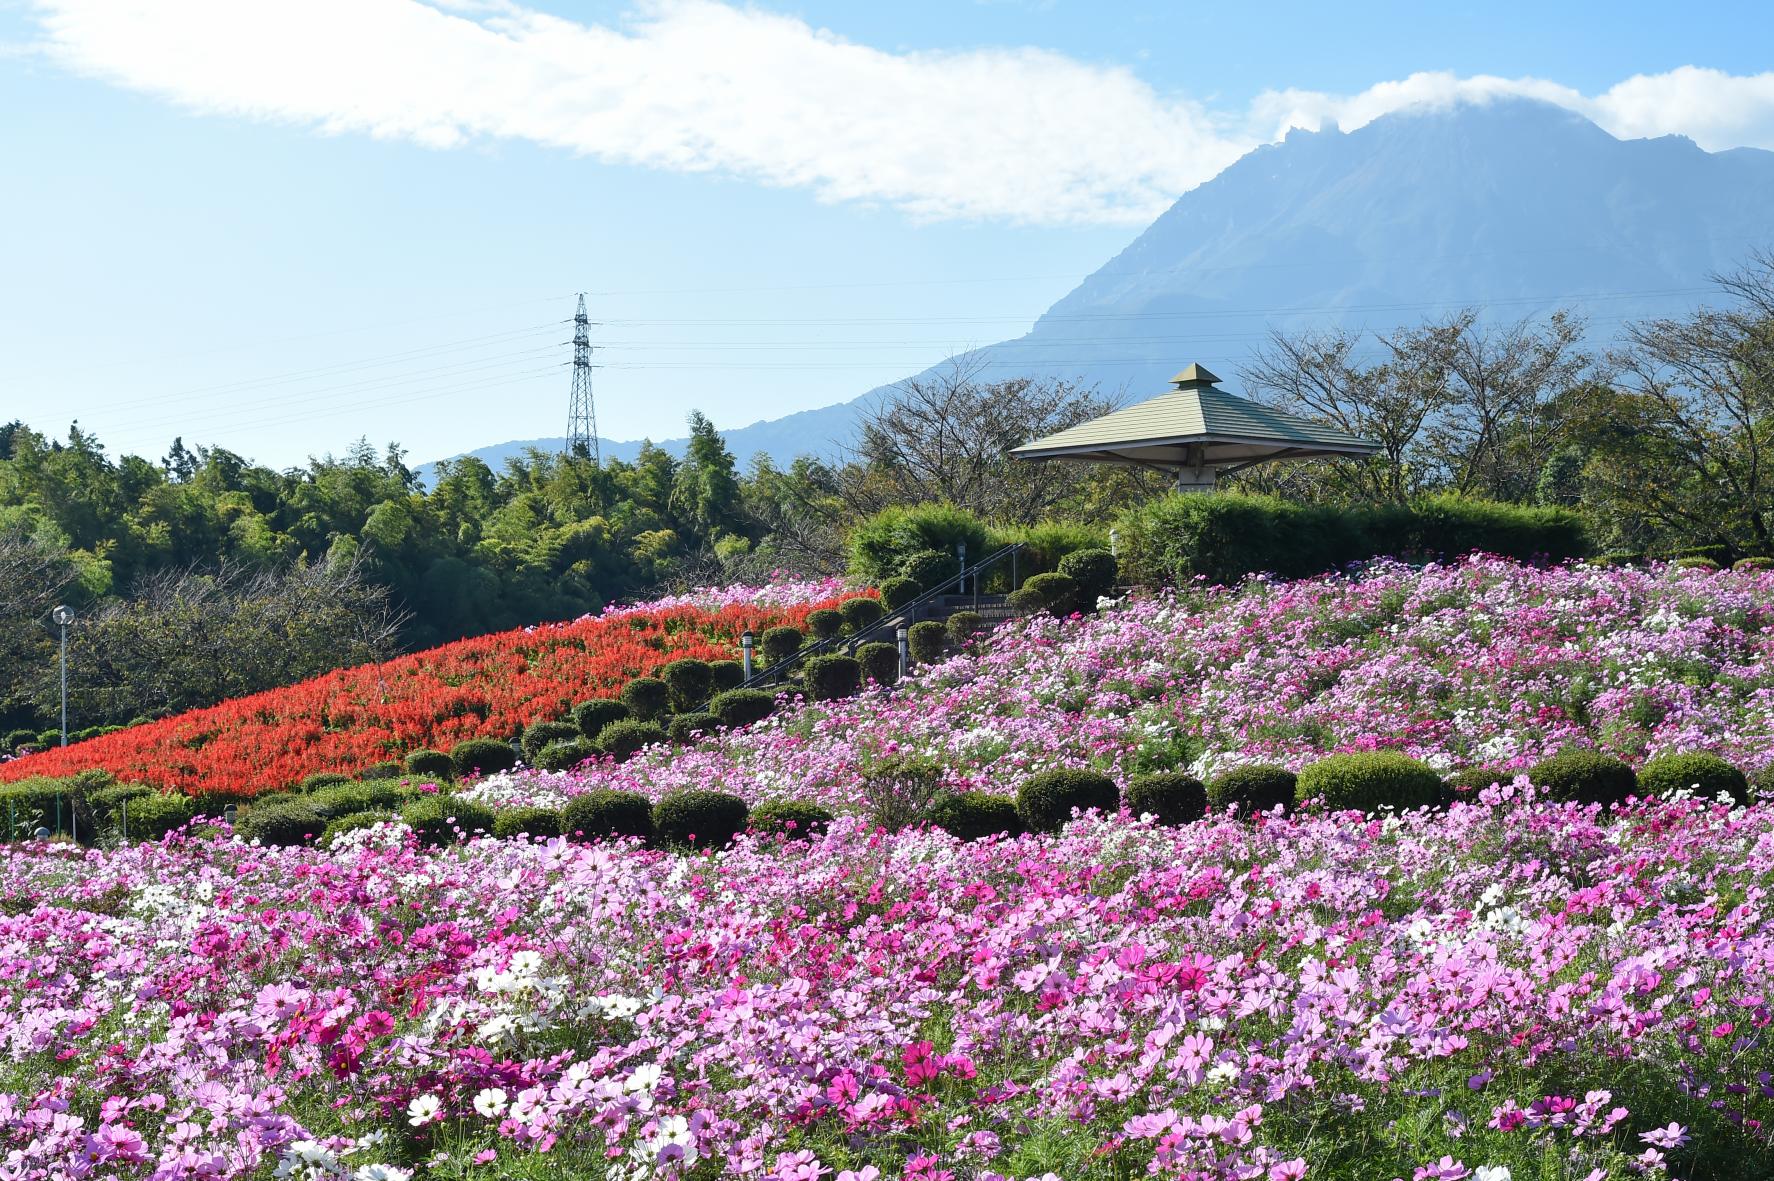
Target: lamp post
{"x":63,"y":616}
{"x":902,"y":635}
{"x":961,"y":556}
{"x":746,"y":639}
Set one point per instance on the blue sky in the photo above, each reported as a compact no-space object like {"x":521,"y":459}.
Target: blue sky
{"x":280,"y":226}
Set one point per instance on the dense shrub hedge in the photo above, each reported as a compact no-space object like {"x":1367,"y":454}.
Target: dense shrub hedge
{"x":880,"y":662}
{"x":622,"y":739}
{"x":384,"y":770}
{"x":825,"y":623}
{"x":972,"y":815}
{"x":1172,"y":796}
{"x":1584,"y":776}
{"x":881,"y":545}
{"x":538,"y":735}
{"x":1094,"y":570}
{"x":605,"y":814}
{"x":1469,"y":781}
{"x":1045,"y":801}
{"x":445,"y":820}
{"x":592,"y":716}
{"x":285,"y":823}
{"x":359,"y":797}
{"x":352,"y":822}
{"x":831,"y":678}
{"x":691,"y":682}
{"x":688,"y":727}
{"x":323,"y":779}
{"x":780,"y":643}
{"x":1059,"y":592}
{"x":925,"y":641}
{"x":430,"y":764}
{"x":646,"y":697}
{"x":54,"y":803}
{"x":1367,"y":780}
{"x":1026,"y":602}
{"x":152,"y":817}
{"x":1705,"y":774}
{"x":698,"y":819}
{"x":567,"y":753}
{"x":482,"y":756}
{"x":1224,"y":536}
{"x":1753,"y":564}
{"x":742,"y":707}
{"x":542,"y":823}
{"x":724,"y":675}
{"x":1254,"y":788}
{"x":789,"y":818}
{"x":963,"y":626}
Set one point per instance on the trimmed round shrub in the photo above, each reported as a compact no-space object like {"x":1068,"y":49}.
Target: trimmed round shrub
{"x":1172,"y":796}
{"x":1578,"y":775}
{"x":929,"y":568}
{"x":623,"y":739}
{"x":1045,"y":801}
{"x":48,"y":738}
{"x":1094,"y":570}
{"x":1026,"y":602}
{"x":1368,"y":780}
{"x":607,"y":814}
{"x":1695,"y":564}
{"x":17,"y":738}
{"x":1753,"y":564}
{"x":897,"y":592}
{"x":387,"y":770}
{"x":964,"y":625}
{"x":1256,"y":788}
{"x":972,"y":815}
{"x":880,"y":662}
{"x":338,"y":826}
{"x":152,"y":817}
{"x":690,"y":682}
{"x":686,"y":728}
{"x":698,"y":819}
{"x":323,"y":779}
{"x":780,"y":643}
{"x":825,"y":623}
{"x":1059,"y":592}
{"x":789,"y":818}
{"x":538,"y":735}
{"x":742,"y":707}
{"x":446,"y":820}
{"x":832,"y":678}
{"x":542,"y":823}
{"x":724,"y":675}
{"x":861,"y":612}
{"x":1469,"y":781}
{"x":566,"y":753}
{"x":646,"y":697}
{"x":285,"y":823}
{"x":592,"y":716}
{"x":926,"y":641}
{"x":359,"y":797}
{"x":1705,"y":774}
{"x":430,"y":764}
{"x":482,"y":756}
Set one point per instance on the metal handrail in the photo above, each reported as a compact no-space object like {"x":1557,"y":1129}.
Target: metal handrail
{"x":890,"y":618}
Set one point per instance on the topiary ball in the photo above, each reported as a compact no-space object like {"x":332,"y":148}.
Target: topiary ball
{"x":1469,"y":781}
{"x":964,"y":626}
{"x":972,"y":815}
{"x":880,"y":662}
{"x":359,"y":797}
{"x":1026,"y":602}
{"x":861,"y":612}
{"x":1256,"y":788}
{"x":626,"y":738}
{"x":742,"y":707}
{"x":1045,"y":801}
{"x":724,"y":675}
{"x":538,"y":735}
{"x":780,"y":643}
{"x":794,"y":819}
{"x":897,"y":592}
{"x":687,"y":728}
{"x":926,"y":641}
{"x":592,"y":716}
{"x":281,"y":823}
{"x":646,"y":697}
{"x":387,"y":770}
{"x":323,"y":779}
{"x":446,"y":820}
{"x":1059,"y":592}
{"x":430,"y":764}
{"x":541,"y":823}
{"x":567,"y":753}
{"x":1753,"y":564}
{"x":604,"y":815}
{"x":698,"y":819}
{"x":1094,"y":570}
{"x":1172,"y":796}
{"x":930,"y":568}
{"x":832,"y":678}
{"x":1581,"y":776}
{"x":482,"y":756}
{"x":1704,"y":774}
{"x":1367,"y":780}
{"x":690,"y":682}
{"x":825,"y":623}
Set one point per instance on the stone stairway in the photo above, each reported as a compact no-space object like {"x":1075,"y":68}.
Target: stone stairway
{"x":992,"y":608}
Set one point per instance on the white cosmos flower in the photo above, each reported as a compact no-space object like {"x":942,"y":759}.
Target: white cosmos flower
{"x":381,"y":1173}
{"x":1491,"y":1173}
{"x":644,"y":1078}
{"x":490,"y":1102}
{"x":423,"y":1110}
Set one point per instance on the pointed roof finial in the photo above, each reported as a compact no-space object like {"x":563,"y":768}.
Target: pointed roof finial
{"x":1193,"y":376}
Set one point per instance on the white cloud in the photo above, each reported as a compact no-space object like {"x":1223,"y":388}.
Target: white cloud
{"x":695,"y":85}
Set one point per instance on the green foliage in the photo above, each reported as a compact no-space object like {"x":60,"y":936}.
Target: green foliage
{"x":825,"y":623}
{"x":1026,"y":602}
{"x":1578,"y":775}
{"x":973,"y":815}
{"x":928,"y":569}
{"x":724,"y":675}
{"x":384,"y":770}
{"x":439,"y":820}
{"x":780,"y":643}
{"x":540,"y":735}
{"x":831,"y":678}
{"x":323,"y":779}
{"x":742,"y":707}
{"x":566,"y":753}
{"x":57,"y":804}
{"x":899,"y":789}
{"x":17,"y":738}
{"x":107,"y":802}
{"x":1173,"y":797}
{"x":794,"y":819}
{"x":1045,"y":801}
{"x":879,"y":545}
{"x":1469,"y":781}
{"x":605,"y":814}
{"x":359,"y":797}
{"x":624,"y":739}
{"x":925,"y":640}
{"x":1753,"y":564}
{"x":152,"y":817}
{"x":646,"y":697}
{"x":1059,"y":592}
{"x":964,"y":626}
{"x":1695,"y":564}
{"x":697,"y":819}
{"x":1254,"y":788}
{"x":860,"y":612}
{"x":689,"y":680}
{"x":1706,"y":775}
{"x":541,"y":823}
{"x":1094,"y":570}
{"x":482,"y":756}
{"x":896,"y":592}
{"x":280,"y":822}
{"x":592,"y":716}
{"x":430,"y":764}
{"x":1366,"y":780}
{"x":880,"y":662}
{"x":351,"y":822}
{"x":686,"y":728}
{"x":1046,"y":544}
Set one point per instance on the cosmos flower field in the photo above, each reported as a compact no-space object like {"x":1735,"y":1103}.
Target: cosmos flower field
{"x":1501,"y":990}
